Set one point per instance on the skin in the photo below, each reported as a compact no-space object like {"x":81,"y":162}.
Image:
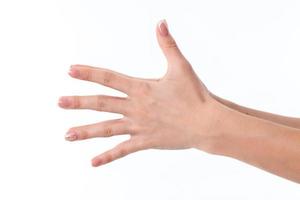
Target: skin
{"x":284,"y":120}
{"x":178,"y":112}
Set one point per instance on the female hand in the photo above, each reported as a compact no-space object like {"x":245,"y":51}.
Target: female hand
{"x":174,"y":112}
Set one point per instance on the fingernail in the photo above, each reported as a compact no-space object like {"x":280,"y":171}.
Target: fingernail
{"x":73,"y":72}
{"x":163,"y":27}
{"x":71,"y":136}
{"x":64,"y":102}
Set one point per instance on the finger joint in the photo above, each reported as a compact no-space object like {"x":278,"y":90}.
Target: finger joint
{"x":100,"y":103}
{"x":76,"y":102}
{"x":108,"y":132}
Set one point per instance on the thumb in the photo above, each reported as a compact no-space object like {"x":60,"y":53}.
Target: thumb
{"x":168,"y":44}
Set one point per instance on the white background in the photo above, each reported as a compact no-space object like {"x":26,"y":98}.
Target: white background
{"x":245,"y":51}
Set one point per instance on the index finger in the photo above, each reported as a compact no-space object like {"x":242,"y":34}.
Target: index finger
{"x":104,"y":77}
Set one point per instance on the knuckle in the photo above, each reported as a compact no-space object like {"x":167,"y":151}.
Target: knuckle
{"x":76,"y":102}
{"x":170,"y":44}
{"x":124,"y":106}
{"x":100,"y":103}
{"x":144,"y":88}
{"x":108,"y":132}
{"x":108,"y":157}
{"x":126,"y":124}
{"x":83,"y":134}
{"x":107,"y":77}
{"x":87,"y":74}
{"x":134,"y":129}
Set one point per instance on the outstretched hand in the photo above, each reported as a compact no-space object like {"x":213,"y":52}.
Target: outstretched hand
{"x":173,"y":112}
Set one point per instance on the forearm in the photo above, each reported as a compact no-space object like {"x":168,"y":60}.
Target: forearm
{"x":261,"y":143}
{"x":284,"y":120}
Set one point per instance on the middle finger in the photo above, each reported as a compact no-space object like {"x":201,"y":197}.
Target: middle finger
{"x":96,"y":102}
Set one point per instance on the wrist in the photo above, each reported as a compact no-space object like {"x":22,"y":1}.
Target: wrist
{"x":226,"y":128}
{"x":221,"y":122}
